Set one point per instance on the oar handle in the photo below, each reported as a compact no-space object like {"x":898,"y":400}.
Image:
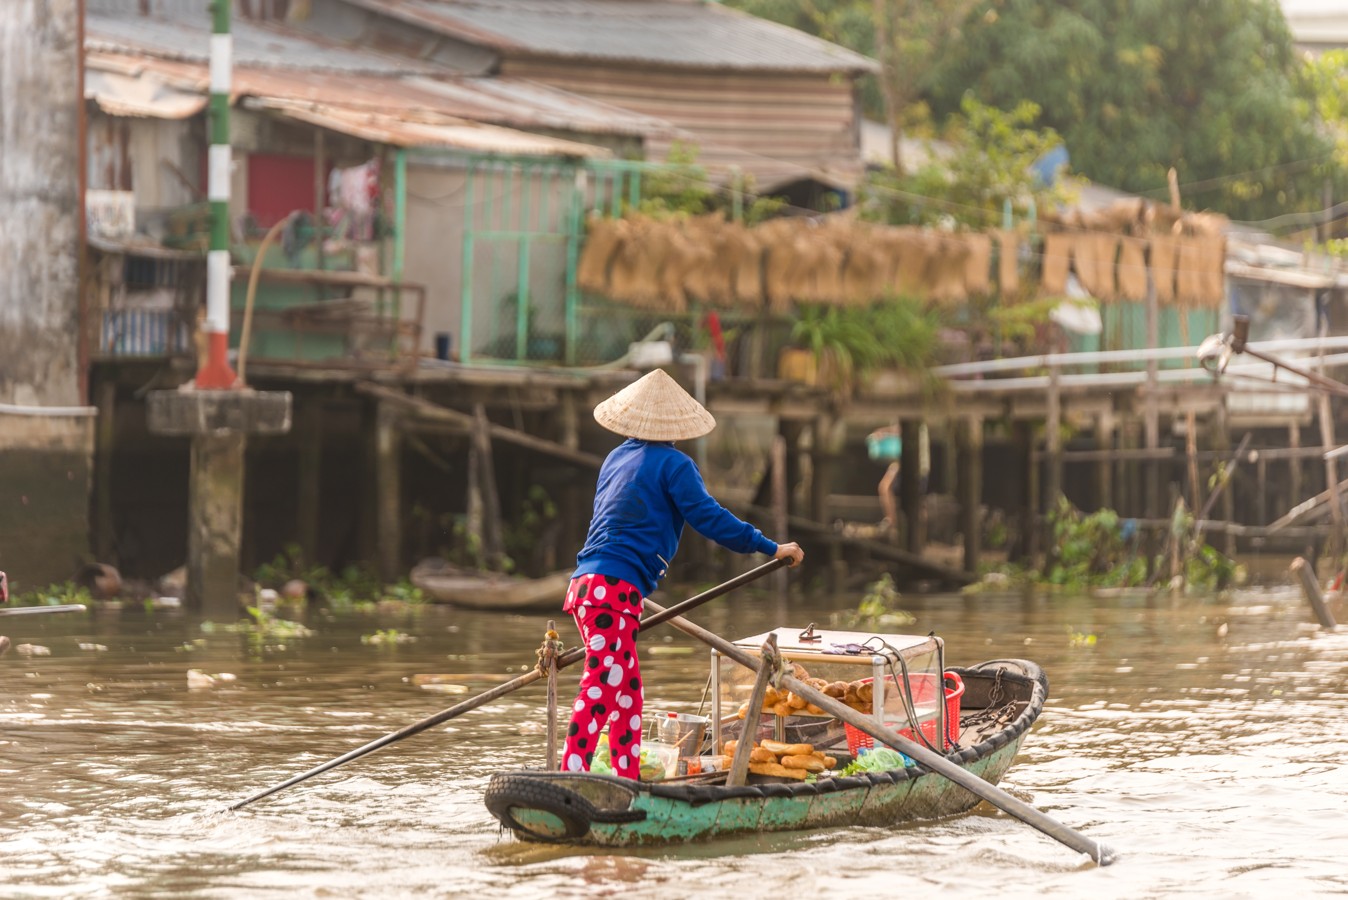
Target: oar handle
{"x":574,"y":655}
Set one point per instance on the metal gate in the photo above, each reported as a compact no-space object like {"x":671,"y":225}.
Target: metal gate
{"x":524,"y":222}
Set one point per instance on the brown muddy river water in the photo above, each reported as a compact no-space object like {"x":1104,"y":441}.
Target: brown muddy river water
{"x":1203,"y":738}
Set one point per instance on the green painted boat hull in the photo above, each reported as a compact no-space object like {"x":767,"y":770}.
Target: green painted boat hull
{"x":614,"y":812}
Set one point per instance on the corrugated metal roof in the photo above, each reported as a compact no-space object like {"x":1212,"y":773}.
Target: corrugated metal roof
{"x":457,"y":134}
{"x":512,"y":101}
{"x":497,"y":101}
{"x":119,"y":94}
{"x":255,"y":44}
{"x":664,"y":32}
{"x":383,"y":110}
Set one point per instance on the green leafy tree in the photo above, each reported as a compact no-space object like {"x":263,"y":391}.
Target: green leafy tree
{"x":1213,"y":88}
{"x":1328,"y":76}
{"x":905,"y":36}
{"x":990,"y":164}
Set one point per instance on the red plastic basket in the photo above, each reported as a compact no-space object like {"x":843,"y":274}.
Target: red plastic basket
{"x":954,"y":691}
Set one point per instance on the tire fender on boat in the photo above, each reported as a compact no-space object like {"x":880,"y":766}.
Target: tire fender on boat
{"x":507,"y":794}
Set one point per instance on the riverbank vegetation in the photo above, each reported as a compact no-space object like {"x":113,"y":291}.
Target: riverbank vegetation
{"x":1102,"y":551}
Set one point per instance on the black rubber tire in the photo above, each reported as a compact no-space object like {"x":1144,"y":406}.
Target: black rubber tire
{"x":507,"y":792}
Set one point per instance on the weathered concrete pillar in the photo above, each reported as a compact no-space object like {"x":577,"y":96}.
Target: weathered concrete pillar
{"x":39,"y":203}
{"x":103,"y":526}
{"x":218,"y":423}
{"x":215,"y":524}
{"x":46,"y":438}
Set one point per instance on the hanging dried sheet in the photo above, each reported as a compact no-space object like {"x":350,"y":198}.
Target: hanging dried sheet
{"x":1008,"y":263}
{"x":1132,"y":269}
{"x":1163,"y":251}
{"x":1057,"y":258}
{"x":977,"y":277}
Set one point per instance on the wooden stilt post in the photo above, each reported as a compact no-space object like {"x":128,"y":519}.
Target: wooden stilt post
{"x":388,"y":480}
{"x":1335,"y":549}
{"x":308,"y":431}
{"x":910,"y":486}
{"x":1294,"y":464}
{"x":493,"y":544}
{"x":1022,"y":435}
{"x":969,"y":449}
{"x":1261,"y":476}
{"x":1104,"y":471}
{"x":1310,"y":587}
{"x":1191,"y":455}
{"x":1053,"y":437}
{"x":779,"y":506}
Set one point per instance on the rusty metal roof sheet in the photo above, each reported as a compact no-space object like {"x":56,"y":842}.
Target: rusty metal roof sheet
{"x":523,"y":103}
{"x":664,"y":32}
{"x":256,"y":44}
{"x":441,"y":132}
{"x":382,"y":110}
{"x":121,"y":94}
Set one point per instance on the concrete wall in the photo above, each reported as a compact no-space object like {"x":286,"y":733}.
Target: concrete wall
{"x":44,"y":460}
{"x":39,"y":205}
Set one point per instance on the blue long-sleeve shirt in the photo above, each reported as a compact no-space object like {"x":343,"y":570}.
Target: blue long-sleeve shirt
{"x":646,"y":492}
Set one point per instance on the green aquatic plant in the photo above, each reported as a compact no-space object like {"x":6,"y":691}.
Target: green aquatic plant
{"x":53,"y":595}
{"x":387,"y":636}
{"x":261,"y":623}
{"x":879,"y":606}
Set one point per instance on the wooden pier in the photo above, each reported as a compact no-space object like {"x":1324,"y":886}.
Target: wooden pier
{"x":387,"y":466}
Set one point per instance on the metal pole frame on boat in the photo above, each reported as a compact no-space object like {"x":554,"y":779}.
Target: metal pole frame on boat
{"x":935,"y":762}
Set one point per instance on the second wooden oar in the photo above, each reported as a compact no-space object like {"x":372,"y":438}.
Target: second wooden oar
{"x":929,"y":759}
{"x":576,"y":654}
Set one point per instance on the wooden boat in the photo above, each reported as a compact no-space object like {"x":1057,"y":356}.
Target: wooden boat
{"x":1001,"y":701}
{"x":470,"y":589}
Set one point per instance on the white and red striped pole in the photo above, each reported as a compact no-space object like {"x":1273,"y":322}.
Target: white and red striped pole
{"x":214,"y":373}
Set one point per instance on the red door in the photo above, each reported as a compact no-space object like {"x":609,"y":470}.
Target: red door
{"x":277,"y":185}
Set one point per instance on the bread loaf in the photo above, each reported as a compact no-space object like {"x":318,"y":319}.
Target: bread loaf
{"x":778,"y":770}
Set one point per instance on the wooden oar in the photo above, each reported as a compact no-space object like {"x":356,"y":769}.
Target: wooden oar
{"x":574,"y":655}
{"x":931,"y":760}
{"x":38,"y":610}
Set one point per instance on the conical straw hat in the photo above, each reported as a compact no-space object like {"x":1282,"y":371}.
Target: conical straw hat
{"x":654,"y":408}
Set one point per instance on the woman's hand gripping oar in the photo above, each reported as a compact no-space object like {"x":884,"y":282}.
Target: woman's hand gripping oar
{"x":933,"y":761}
{"x":576,"y":654}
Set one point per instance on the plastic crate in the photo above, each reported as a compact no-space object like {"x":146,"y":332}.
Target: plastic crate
{"x":954,"y":690}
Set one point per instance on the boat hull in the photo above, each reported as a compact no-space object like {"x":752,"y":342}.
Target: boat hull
{"x":472,"y":590}
{"x":613,"y":812}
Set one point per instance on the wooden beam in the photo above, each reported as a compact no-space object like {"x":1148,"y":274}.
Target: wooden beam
{"x":493,"y":542}
{"x":436,"y":412}
{"x":881,"y":549}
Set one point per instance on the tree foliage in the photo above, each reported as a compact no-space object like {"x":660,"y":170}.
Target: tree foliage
{"x":1211,"y":87}
{"x":989,"y":165}
{"x":1329,"y":81}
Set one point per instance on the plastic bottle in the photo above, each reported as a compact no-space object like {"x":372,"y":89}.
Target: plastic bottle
{"x":667,"y":730}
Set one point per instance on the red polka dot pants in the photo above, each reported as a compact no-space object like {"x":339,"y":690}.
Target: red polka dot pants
{"x":610,"y":688}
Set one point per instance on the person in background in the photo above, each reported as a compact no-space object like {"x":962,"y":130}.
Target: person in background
{"x":647,"y":490}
